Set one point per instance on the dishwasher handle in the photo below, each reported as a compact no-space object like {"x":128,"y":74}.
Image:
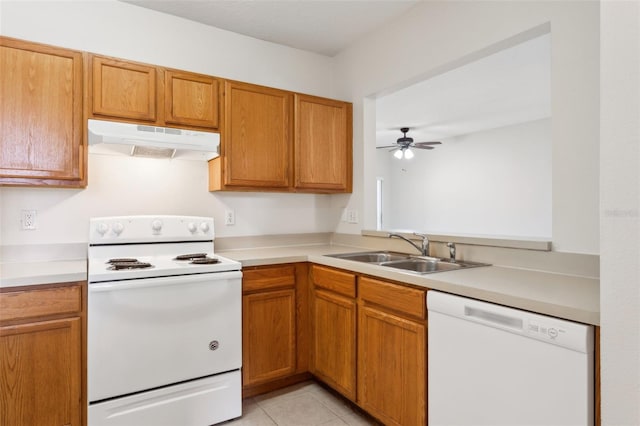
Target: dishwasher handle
{"x":495,"y":318}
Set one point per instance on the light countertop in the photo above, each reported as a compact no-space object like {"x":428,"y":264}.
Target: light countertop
{"x":19,"y":274}
{"x":565,"y":296}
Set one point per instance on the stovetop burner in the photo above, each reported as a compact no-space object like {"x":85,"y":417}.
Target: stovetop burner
{"x":191,"y":256}
{"x":122,"y":260}
{"x":204,"y":261}
{"x":117,"y":266}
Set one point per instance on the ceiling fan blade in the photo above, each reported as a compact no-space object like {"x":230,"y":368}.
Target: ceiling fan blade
{"x":388,"y":146}
{"x":422,"y":147}
{"x":427,"y":143}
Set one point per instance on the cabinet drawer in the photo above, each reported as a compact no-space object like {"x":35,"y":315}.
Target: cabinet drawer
{"x":399,"y":298}
{"x":268,"y":278}
{"x":37,"y":303}
{"x":337,"y":281}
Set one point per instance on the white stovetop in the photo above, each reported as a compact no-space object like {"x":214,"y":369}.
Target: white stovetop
{"x":100,"y":270}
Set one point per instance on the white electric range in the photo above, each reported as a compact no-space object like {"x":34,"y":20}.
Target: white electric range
{"x":164,"y":323}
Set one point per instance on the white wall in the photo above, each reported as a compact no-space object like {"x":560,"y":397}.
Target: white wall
{"x":434,"y":35}
{"x":620,"y":212}
{"x":179,"y":187}
{"x":120,"y":185}
{"x":494,"y":182}
{"x":126,"y":31}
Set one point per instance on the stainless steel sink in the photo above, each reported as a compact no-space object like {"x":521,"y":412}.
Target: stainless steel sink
{"x":372,"y":256}
{"x":406,"y":262}
{"x":422,"y":266}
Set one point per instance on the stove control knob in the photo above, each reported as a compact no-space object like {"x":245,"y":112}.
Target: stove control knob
{"x":117,"y":227}
{"x":192,"y":227}
{"x":156,"y":226}
{"x":102,"y":228}
{"x":204,"y":227}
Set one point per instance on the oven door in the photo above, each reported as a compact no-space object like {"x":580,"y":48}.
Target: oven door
{"x":153,"y":332}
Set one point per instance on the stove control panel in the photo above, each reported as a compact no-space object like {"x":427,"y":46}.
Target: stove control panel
{"x":128,"y":229}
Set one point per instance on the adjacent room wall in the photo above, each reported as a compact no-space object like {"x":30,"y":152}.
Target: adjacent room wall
{"x":436,"y":36}
{"x":493,"y":182}
{"x":121,"y":186}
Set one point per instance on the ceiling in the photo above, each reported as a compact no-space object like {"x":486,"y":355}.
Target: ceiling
{"x":508,"y":87}
{"x":322,"y":26}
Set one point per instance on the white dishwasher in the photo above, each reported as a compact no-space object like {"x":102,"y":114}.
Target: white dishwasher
{"x":491,"y":365}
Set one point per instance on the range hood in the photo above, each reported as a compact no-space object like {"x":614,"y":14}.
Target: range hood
{"x":115,"y":138}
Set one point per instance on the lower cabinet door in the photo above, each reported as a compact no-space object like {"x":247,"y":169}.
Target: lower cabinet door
{"x":334,"y":341}
{"x":268,"y":336}
{"x":41,"y":373}
{"x":392,"y":367}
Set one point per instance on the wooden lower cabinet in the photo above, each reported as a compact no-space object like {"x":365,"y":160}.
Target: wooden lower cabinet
{"x":41,"y":357}
{"x":392,"y":352}
{"x":268,"y":336}
{"x":274,"y":327}
{"x":333,"y":347}
{"x":385,"y":373}
{"x":392,"y":367}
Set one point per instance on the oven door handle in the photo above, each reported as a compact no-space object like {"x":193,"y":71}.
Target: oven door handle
{"x":162,"y":281}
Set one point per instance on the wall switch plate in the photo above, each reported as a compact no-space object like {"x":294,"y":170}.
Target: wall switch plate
{"x":28,"y":219}
{"x":229,"y":217}
{"x":352,"y":216}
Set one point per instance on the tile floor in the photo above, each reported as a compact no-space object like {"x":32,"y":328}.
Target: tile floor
{"x":304,"y":404}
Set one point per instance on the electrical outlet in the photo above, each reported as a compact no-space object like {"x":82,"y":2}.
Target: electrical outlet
{"x":352,"y":216}
{"x":28,"y":219}
{"x":229,"y":217}
{"x":343,"y":216}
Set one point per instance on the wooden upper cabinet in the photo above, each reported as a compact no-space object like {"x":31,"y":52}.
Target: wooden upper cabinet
{"x":256,"y":138}
{"x":191,"y":99}
{"x":123,"y":89}
{"x":152,"y":95}
{"x":41,"y":128}
{"x":323,"y":144}
{"x":274,"y":140}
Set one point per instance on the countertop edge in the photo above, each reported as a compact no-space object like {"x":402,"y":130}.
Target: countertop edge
{"x":54,"y":272}
{"x":450,"y":282}
{"x":474,"y":283}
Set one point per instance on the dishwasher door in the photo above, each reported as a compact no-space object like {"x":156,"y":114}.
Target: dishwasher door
{"x":491,"y":365}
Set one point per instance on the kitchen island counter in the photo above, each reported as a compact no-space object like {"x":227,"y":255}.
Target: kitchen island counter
{"x":564,"y":296}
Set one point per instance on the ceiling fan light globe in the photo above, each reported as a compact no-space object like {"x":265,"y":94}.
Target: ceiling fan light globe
{"x":398,"y":154}
{"x":408,"y":154}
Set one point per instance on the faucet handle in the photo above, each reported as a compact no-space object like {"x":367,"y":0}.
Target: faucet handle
{"x":452,"y":251}
{"x":418,"y":234}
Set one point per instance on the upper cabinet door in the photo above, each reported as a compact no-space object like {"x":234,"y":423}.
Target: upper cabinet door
{"x":256,"y":136}
{"x":123,"y":89}
{"x":191,"y":99}
{"x":323,"y":147}
{"x":41,"y":128}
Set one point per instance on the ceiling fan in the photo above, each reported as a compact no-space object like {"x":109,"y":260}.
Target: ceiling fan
{"x":403,"y":144}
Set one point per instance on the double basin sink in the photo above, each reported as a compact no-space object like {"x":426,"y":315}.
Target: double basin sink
{"x":406,"y":262}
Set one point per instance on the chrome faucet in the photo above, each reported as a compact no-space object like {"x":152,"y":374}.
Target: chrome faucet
{"x":423,"y":249}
